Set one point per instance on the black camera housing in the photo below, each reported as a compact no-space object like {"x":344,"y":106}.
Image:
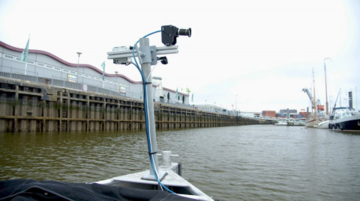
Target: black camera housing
{"x":169,"y":34}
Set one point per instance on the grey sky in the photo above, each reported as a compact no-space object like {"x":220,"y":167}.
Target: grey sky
{"x":260,"y":53}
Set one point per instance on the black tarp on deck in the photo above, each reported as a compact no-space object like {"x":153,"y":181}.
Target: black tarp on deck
{"x":27,"y":189}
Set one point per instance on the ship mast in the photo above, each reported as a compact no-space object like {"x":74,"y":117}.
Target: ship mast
{"x":327,"y":103}
{"x":315,"y":104}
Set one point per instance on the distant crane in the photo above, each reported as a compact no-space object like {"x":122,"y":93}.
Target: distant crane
{"x":318,"y":107}
{"x":310,"y":97}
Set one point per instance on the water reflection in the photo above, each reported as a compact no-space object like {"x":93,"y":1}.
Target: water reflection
{"x":229,"y":163}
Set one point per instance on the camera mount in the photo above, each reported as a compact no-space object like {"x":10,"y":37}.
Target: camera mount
{"x":124,"y":55}
{"x":148,"y":55}
{"x":169,"y":33}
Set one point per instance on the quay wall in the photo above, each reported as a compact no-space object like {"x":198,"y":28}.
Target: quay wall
{"x":33,"y":107}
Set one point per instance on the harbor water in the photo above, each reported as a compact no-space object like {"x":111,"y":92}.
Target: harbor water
{"x":256,"y":162}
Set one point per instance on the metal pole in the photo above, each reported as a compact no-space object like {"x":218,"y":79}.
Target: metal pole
{"x":116,"y":87}
{"x":146,"y":69}
{"x":116,"y":72}
{"x":327,"y":103}
{"x":315,"y":104}
{"x":77,"y":73}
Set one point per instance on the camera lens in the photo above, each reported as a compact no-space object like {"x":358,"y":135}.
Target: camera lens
{"x":185,"y":32}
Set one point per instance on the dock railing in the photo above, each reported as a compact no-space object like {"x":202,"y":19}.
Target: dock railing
{"x":84,"y":81}
{"x":60,"y":82}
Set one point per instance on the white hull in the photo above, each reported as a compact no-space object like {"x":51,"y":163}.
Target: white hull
{"x":323,"y":124}
{"x":312,"y":123}
{"x":171,"y":180}
{"x":344,"y":118}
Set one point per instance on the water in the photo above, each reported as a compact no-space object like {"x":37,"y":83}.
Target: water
{"x":259,"y":162}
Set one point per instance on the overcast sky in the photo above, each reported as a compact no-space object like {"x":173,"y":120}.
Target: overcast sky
{"x":254,"y":55}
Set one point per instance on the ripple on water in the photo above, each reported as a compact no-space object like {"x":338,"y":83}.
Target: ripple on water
{"x":228,"y":163}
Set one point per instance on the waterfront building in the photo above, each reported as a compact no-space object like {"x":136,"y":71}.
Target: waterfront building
{"x":44,"y":67}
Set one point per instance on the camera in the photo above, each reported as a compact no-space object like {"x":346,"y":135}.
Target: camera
{"x":169,"y":34}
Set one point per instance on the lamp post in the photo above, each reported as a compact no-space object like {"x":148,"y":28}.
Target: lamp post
{"x":116,"y":72}
{"x":117,"y":89}
{"x":77,"y":73}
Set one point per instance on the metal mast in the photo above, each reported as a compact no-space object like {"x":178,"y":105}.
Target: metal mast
{"x":147,"y":56}
{"x":327,"y":103}
{"x":315,"y":104}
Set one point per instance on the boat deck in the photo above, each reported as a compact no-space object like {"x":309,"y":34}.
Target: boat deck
{"x":171,"y":180}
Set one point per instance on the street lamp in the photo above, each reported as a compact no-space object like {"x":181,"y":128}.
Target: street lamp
{"x":116,"y":72}
{"x":116,"y":88}
{"x":78,"y":53}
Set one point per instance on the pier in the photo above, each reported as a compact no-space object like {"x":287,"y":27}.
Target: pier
{"x":27,"y":106}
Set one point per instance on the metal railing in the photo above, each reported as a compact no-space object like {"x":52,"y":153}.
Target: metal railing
{"x":16,"y":73}
{"x":56,"y":81}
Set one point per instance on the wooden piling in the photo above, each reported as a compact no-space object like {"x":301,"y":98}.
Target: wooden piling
{"x":30,"y":107}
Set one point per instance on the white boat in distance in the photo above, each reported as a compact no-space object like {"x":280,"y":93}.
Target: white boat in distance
{"x":323,"y":124}
{"x":312,"y":121}
{"x":281,"y":122}
{"x":345,"y":118}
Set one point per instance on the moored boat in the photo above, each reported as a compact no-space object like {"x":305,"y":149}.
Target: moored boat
{"x":281,"y":122}
{"x":312,"y":121}
{"x":299,"y":123}
{"x":317,"y":119}
{"x":345,"y":118}
{"x":323,"y":124}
